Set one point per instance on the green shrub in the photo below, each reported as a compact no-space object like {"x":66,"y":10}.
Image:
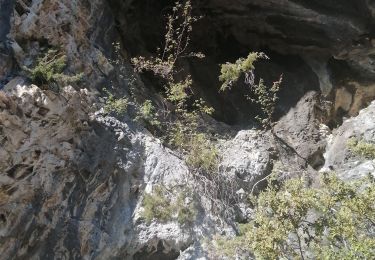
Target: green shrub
{"x":361,"y":148}
{"x":231,"y":72}
{"x":186,"y":214}
{"x":185,"y":111}
{"x":295,"y":221}
{"x":147,"y":113}
{"x":203,"y":155}
{"x":176,"y":43}
{"x":157,"y":206}
{"x":264,"y":96}
{"x":114,"y":105}
{"x":50,"y":68}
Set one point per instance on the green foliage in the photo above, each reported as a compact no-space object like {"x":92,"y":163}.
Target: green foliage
{"x":230,"y":72}
{"x":176,"y":42}
{"x":264,"y":96}
{"x":203,"y":155}
{"x":183,"y":132}
{"x":147,"y":113}
{"x":50,"y":68}
{"x":158,"y":206}
{"x":114,"y":105}
{"x":178,"y":92}
{"x":186,"y":212}
{"x":362,"y":149}
{"x":294,"y":221}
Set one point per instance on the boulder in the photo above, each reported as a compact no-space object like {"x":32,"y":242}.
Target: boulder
{"x":338,"y":156}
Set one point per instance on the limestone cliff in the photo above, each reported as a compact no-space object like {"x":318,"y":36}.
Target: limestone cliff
{"x":73,"y":178}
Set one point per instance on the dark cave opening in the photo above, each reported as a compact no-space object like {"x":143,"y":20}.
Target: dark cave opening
{"x":141,"y":25}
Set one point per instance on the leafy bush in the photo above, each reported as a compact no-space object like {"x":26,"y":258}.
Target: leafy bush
{"x":362,"y":149}
{"x":147,"y":113}
{"x":114,"y":105}
{"x":265,"y":96}
{"x":231,"y":72}
{"x":202,"y":155}
{"x":158,"y":206}
{"x":294,"y":221}
{"x":50,"y":68}
{"x":176,"y":42}
{"x":183,"y":131}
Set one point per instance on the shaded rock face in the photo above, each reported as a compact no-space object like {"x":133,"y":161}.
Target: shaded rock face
{"x":72,"y":178}
{"x":303,"y":129}
{"x":316,"y":45}
{"x":6,"y":9}
{"x":338,"y":156}
{"x":71,"y":187}
{"x":6,"y":60}
{"x":329,"y":36}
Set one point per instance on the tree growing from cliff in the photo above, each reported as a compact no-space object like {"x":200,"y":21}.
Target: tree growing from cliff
{"x":176,"y":42}
{"x":183,"y":132}
{"x":49,"y":68}
{"x":294,"y":221}
{"x":264,"y":96}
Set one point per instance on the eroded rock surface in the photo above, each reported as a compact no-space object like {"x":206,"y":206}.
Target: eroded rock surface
{"x":303,"y":129}
{"x":338,"y":156}
{"x":72,"y":179}
{"x":71,"y":186}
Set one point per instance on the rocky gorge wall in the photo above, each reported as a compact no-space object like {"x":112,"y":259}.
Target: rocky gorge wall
{"x":72,"y":178}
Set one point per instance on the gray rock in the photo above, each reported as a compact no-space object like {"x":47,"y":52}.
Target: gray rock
{"x":6,"y":10}
{"x":302,"y":129}
{"x":248,"y":158}
{"x":339,"y":158}
{"x":72,"y":184}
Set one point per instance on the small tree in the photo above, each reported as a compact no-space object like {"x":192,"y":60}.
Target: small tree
{"x":176,"y":43}
{"x":50,"y":68}
{"x":295,"y":221}
{"x":265,"y":97}
{"x":183,"y":130}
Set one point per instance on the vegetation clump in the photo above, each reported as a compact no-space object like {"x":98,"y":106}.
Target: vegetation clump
{"x":231,"y":72}
{"x":118,"y":106}
{"x":292,"y":220}
{"x":202,"y":155}
{"x":182,"y":131}
{"x":148,"y":114}
{"x":157,"y":206}
{"x":264,"y":96}
{"x":362,"y":149}
{"x":50,"y":69}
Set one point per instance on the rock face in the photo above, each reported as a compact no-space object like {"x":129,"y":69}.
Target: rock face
{"x":338,"y":156}
{"x":302,"y":129}
{"x":342,"y":29}
{"x":316,"y":45}
{"x":72,"y":186}
{"x":73,"y":179}
{"x":248,"y":158}
{"x":6,"y":9}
